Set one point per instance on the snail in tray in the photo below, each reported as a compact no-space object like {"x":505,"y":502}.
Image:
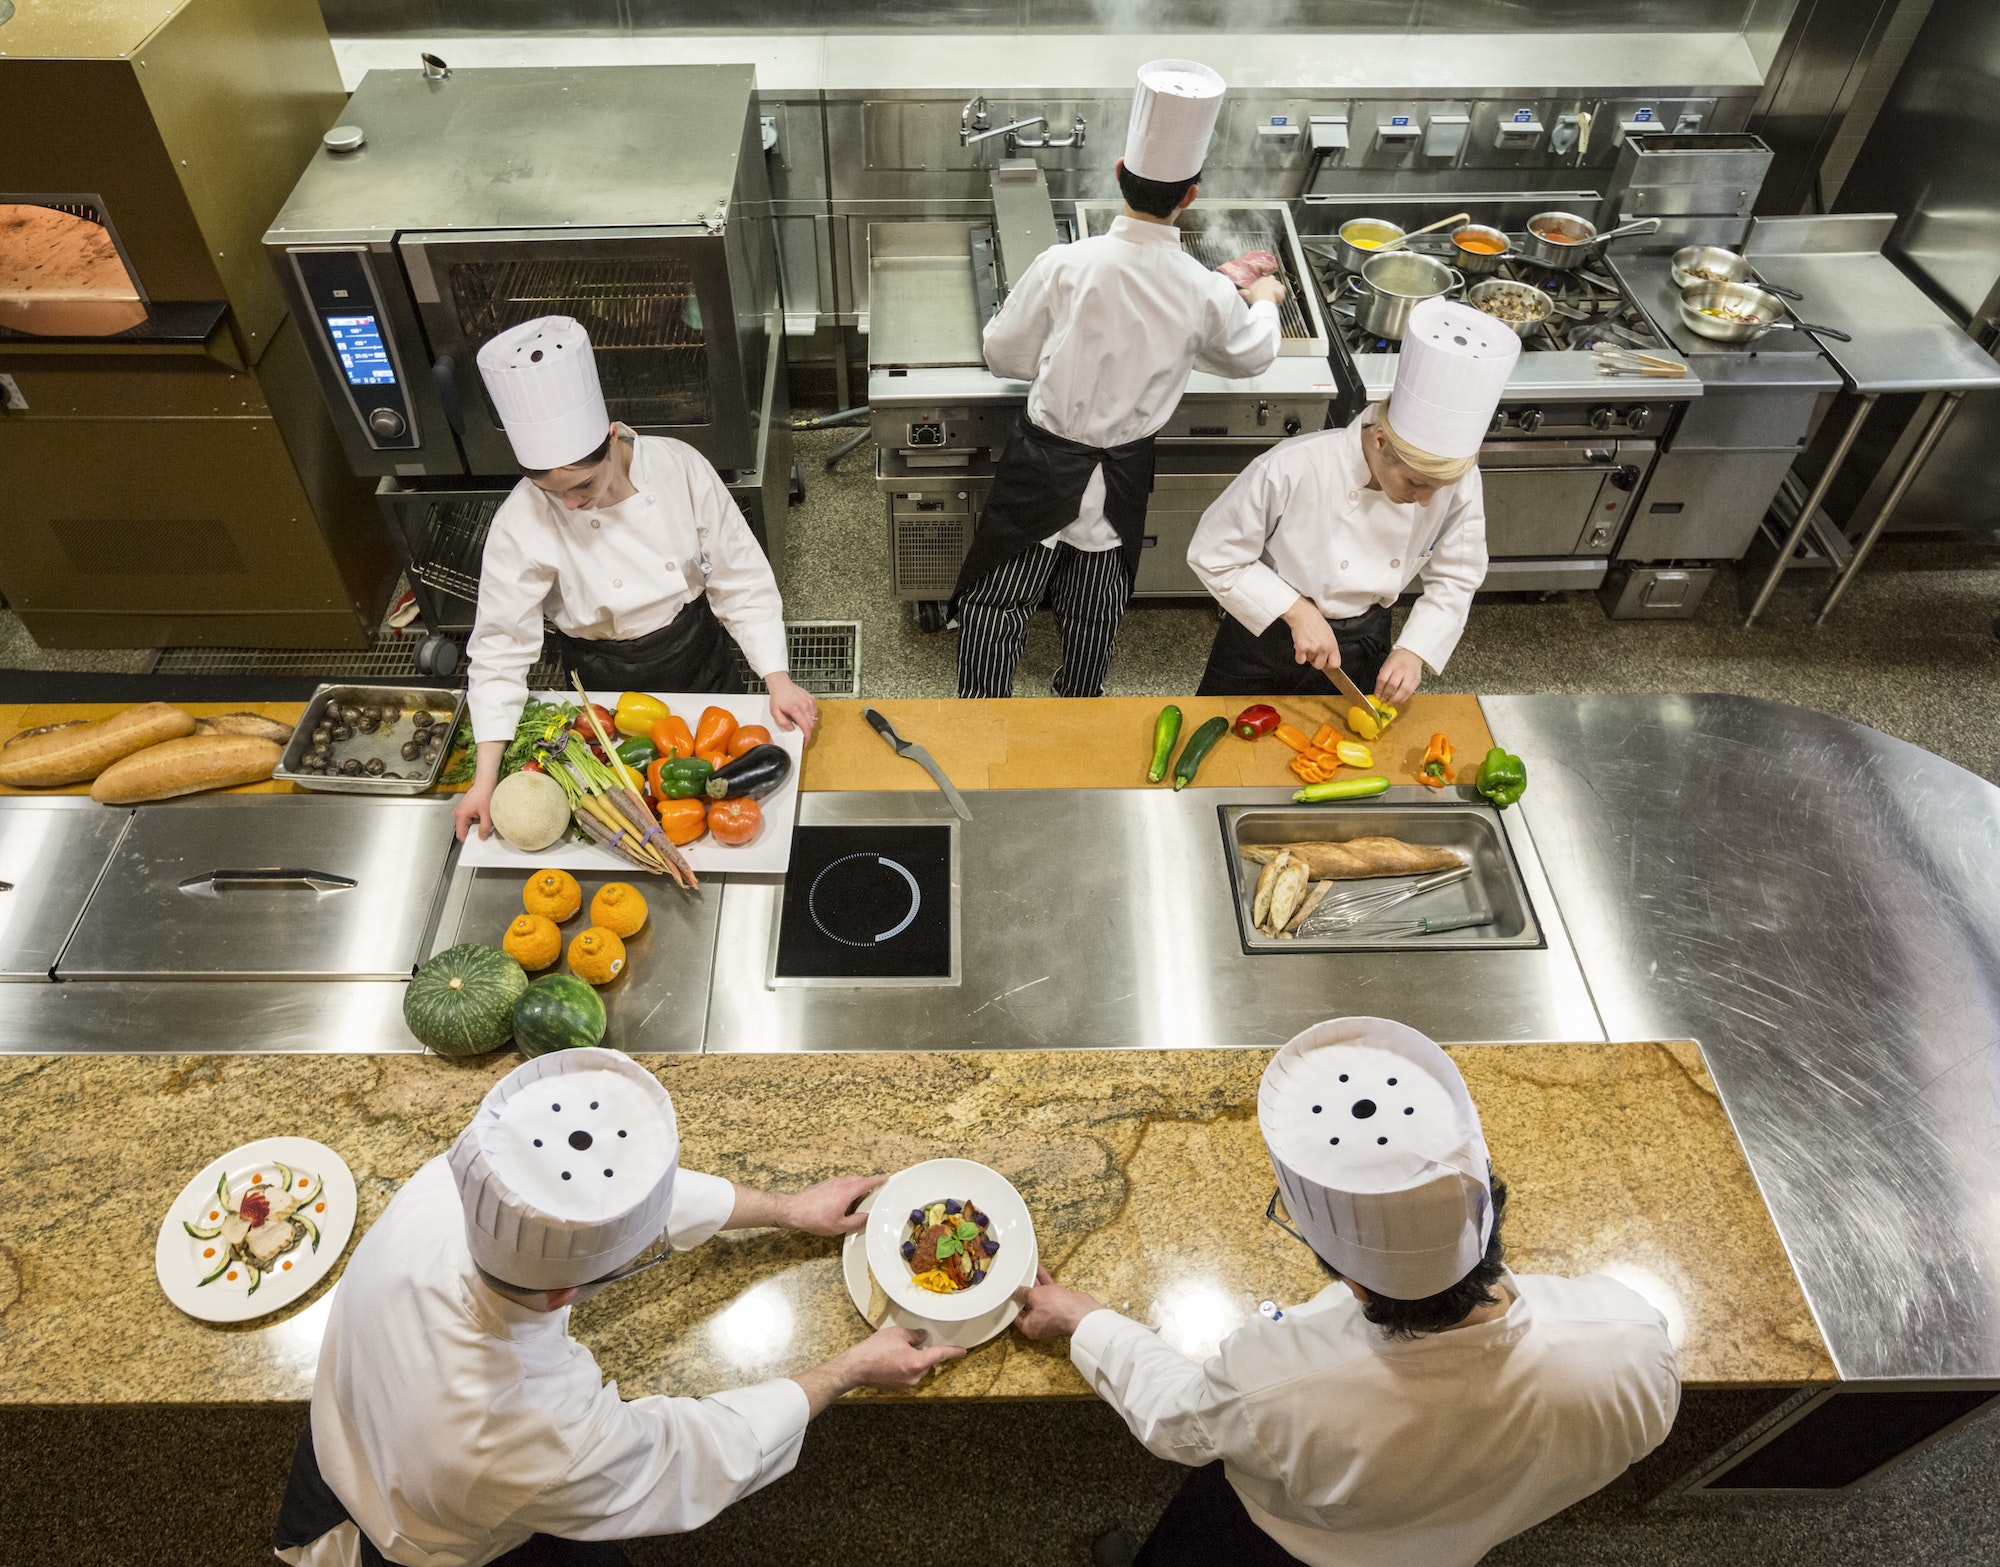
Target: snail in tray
{"x":373,"y":767}
{"x":410,"y":750}
{"x":342,"y":732}
{"x":351,"y":767}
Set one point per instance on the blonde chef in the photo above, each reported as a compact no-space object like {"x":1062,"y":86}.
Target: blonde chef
{"x":455,"y":1422}
{"x":1426,"y":1405}
{"x":1106,"y":332}
{"x":630,"y":544}
{"x":1313,"y":542}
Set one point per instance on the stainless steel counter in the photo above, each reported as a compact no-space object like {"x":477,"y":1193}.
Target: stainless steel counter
{"x":1816,"y":903}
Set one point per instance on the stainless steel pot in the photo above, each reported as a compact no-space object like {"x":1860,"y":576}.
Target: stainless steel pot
{"x":1522,"y":307}
{"x":1479,"y":263}
{"x":1750,"y":313}
{"x":1391,"y":286}
{"x":1694,"y":264}
{"x":1562,"y":240}
{"x":1353,"y":256}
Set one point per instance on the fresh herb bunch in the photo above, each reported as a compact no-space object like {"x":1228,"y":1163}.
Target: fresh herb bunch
{"x":462,"y":758}
{"x":540,"y":721}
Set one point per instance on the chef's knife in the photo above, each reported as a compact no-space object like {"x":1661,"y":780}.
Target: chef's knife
{"x":921,"y":757}
{"x":1347,"y":687}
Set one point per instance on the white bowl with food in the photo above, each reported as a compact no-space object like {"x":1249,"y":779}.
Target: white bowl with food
{"x":950,"y":1240}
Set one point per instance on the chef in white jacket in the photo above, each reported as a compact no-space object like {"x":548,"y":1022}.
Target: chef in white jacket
{"x":1311,"y":544}
{"x":1426,"y":1405}
{"x":631,"y":545}
{"x":1106,"y":332}
{"x":454,"y":1420}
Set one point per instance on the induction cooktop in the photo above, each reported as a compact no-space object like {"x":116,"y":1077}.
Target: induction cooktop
{"x":870,"y":904}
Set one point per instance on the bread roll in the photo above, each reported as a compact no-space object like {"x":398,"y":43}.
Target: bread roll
{"x":186,"y":766}
{"x":71,"y":753}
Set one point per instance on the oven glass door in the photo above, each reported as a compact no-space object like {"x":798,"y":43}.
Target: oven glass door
{"x":1554,"y":498}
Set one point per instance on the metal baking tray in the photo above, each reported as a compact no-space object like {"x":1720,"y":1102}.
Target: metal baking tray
{"x":1475,"y":831}
{"x":386,"y":744}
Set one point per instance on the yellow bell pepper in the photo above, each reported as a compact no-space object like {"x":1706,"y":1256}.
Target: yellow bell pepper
{"x":1352,"y":753}
{"x":637,"y":713}
{"x":1369,"y":722}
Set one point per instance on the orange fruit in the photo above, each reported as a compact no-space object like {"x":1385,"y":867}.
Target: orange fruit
{"x":620,"y":908}
{"x":532,"y":941}
{"x":597,"y":957}
{"x":553,"y":895}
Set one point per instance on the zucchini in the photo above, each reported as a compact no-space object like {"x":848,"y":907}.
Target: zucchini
{"x":222,"y":1193}
{"x":752,"y":775}
{"x":284,"y":1181}
{"x":199,"y":1233}
{"x":256,"y":1277}
{"x":312,"y":1229}
{"x":1200,"y":743}
{"x":217,"y":1271}
{"x":1342,"y":789}
{"x":1166,"y":730}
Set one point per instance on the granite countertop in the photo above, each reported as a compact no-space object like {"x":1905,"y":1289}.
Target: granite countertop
{"x":1144,"y":1171}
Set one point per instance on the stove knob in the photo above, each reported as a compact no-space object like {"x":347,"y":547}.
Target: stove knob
{"x":1530,"y":420}
{"x":1499,"y":419}
{"x":1636,"y":419}
{"x":1292,"y":424}
{"x":1603,"y":418}
{"x":387,"y":423}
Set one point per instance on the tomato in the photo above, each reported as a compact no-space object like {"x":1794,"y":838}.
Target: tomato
{"x":683,"y":820}
{"x":734,"y":822}
{"x":581,"y":723}
{"x":713,"y":731}
{"x":670,"y":737}
{"x":748,"y":736}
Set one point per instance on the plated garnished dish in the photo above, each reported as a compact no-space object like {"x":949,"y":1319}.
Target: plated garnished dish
{"x":948,"y":1246}
{"x":249,"y":1231}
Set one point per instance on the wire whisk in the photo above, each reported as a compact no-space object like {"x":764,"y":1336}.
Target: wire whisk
{"x":1337,"y":912}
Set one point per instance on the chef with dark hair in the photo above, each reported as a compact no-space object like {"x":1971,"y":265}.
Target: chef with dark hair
{"x":1427,"y":1404}
{"x":455,"y":1422}
{"x":631,"y":545}
{"x":1106,"y":331}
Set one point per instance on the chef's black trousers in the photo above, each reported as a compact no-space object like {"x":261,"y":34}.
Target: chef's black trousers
{"x":1242,"y":665}
{"x":1087,"y":589}
{"x":691,"y":652}
{"x":1205,"y":1525}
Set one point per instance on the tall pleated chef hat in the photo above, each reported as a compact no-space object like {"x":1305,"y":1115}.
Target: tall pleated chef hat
{"x":567,"y":1170}
{"x":1379,"y":1155}
{"x":1452,"y":369}
{"x":1174,"y":109}
{"x":542,"y":378}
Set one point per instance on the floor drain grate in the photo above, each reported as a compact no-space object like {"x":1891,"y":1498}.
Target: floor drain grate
{"x":825,"y":657}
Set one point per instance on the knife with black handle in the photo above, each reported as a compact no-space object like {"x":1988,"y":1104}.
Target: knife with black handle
{"x":920,"y":756}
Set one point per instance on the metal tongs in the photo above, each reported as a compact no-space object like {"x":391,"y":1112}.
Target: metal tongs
{"x":1631,"y":361}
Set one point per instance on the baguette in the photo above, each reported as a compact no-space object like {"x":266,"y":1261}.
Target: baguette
{"x":1358,"y":858}
{"x":186,"y":766}
{"x":256,"y":725}
{"x":71,"y":753}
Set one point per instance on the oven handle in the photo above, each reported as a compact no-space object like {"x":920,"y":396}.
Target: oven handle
{"x":1573,"y":467}
{"x":444,"y":376}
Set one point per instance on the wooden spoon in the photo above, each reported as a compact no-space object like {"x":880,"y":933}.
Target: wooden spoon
{"x":1463,"y":217}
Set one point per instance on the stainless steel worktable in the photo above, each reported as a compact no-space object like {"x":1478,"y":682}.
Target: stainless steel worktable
{"x":1816,"y":904}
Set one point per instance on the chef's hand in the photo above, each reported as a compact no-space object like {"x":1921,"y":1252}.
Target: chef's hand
{"x":1263,"y":290}
{"x":1049,"y":1310}
{"x":827,"y":1209}
{"x":889,"y":1357}
{"x":476,"y":804}
{"x":791,"y":704}
{"x":1402,"y":670}
{"x":1313,"y":641}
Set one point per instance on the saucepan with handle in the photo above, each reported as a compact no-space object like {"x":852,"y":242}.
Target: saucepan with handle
{"x":1742,"y":313}
{"x":1694,"y":264}
{"x":1391,"y":286}
{"x":1563,"y":241}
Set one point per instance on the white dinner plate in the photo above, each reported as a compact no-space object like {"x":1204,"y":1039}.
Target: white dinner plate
{"x":966,"y":1335}
{"x":182,"y":1260}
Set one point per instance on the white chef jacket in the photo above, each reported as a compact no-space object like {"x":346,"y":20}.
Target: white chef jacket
{"x":616,"y":573}
{"x":1106,"y":332}
{"x":453,"y":1424}
{"x":1300,"y":521}
{"x":1353,"y":1449}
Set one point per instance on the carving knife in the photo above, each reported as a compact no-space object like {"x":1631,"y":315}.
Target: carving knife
{"x":921,"y":757}
{"x":1347,"y":687}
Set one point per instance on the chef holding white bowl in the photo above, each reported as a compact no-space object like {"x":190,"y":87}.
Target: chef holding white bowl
{"x":1428,"y":1403}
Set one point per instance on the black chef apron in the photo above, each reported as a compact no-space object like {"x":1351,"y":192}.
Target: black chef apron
{"x":1205,"y":1524}
{"x":1242,"y":665}
{"x":310,"y":1509}
{"x":1038,"y":490}
{"x":689,"y":653}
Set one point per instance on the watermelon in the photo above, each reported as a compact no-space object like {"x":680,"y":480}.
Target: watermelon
{"x":558,"y":1012}
{"x":461,"y":1003}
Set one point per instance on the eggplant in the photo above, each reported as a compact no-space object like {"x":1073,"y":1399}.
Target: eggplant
{"x":752,"y":775}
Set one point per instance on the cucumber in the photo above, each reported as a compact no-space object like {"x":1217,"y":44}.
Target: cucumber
{"x":199,"y":1233}
{"x":217,"y":1271}
{"x":1342,"y":789}
{"x":1166,"y":730}
{"x":1200,"y":743}
{"x":312,"y":1229}
{"x":284,"y":1181}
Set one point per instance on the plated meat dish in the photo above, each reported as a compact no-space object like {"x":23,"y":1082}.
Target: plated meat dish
{"x":948,"y":1246}
{"x":249,"y":1235}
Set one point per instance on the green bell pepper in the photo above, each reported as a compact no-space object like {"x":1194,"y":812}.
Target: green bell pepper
{"x":637,"y":752}
{"x":1503,"y":777}
{"x":685,"y":777}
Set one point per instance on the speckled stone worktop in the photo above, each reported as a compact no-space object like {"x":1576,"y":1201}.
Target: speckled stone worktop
{"x":1144,"y":1171}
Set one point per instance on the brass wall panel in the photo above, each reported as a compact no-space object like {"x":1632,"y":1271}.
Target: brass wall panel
{"x":241,"y":91}
{"x":131,"y":386}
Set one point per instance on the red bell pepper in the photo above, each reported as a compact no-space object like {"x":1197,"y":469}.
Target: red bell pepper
{"x":1254,"y":723}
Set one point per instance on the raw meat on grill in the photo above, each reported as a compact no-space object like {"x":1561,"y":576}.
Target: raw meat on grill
{"x":1249,"y":267}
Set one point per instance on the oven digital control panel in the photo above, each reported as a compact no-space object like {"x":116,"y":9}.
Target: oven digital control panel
{"x":354,"y":333}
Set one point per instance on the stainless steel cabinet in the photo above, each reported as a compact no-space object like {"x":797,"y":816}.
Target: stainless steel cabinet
{"x":51,"y":855}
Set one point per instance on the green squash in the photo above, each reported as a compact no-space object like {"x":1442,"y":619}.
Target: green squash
{"x":461,"y":1003}
{"x":558,"y":1012}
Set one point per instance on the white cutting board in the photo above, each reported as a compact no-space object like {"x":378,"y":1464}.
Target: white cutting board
{"x":769,"y":853}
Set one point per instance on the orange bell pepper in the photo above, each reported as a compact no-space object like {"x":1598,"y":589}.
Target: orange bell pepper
{"x":1436,"y":770}
{"x":672,"y":737}
{"x":1308,"y":769}
{"x":684,"y":820}
{"x":717,"y":724}
{"x":1292,"y":737}
{"x":1327,"y":738}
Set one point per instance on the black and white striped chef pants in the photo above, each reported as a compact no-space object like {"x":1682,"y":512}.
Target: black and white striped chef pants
{"x":1086,"y":589}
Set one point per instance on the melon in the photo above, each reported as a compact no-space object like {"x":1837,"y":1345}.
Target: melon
{"x":461,"y":1003}
{"x":558,"y":1012}
{"x":530,"y":810}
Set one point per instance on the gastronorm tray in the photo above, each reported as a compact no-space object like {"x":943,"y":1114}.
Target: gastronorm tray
{"x":1475,"y":831}
{"x":385,"y":744}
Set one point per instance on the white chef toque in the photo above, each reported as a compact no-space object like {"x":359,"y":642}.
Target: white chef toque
{"x":542,"y":379}
{"x":1379,"y":1155}
{"x":567,"y":1171}
{"x":1174,"y":108}
{"x":1452,"y":369}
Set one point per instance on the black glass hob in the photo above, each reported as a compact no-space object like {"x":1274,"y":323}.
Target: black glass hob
{"x":868,"y":903}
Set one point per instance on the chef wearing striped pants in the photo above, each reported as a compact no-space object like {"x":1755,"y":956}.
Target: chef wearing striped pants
{"x":1106,"y":332}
